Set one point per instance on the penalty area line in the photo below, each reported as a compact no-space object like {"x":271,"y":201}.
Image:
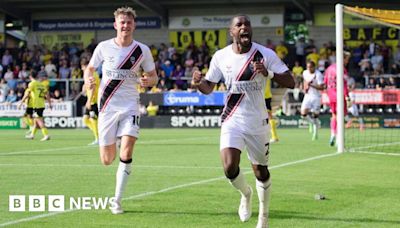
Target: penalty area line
{"x":141,"y":195}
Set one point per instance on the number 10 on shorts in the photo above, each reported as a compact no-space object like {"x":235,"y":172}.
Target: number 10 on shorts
{"x":135,"y":120}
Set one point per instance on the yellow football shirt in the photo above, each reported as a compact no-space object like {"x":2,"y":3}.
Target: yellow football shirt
{"x":298,"y":71}
{"x":38,"y":93}
{"x":268,"y":93}
{"x":281,"y":51}
{"x":29,"y":101}
{"x":152,"y":110}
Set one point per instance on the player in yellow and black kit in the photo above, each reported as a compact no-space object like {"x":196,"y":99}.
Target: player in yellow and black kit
{"x":91,"y":109}
{"x":28,"y":116}
{"x":38,"y":92}
{"x":268,"y":99}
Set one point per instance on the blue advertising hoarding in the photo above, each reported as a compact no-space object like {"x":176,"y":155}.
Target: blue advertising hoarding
{"x":194,"y":98}
{"x":91,"y":24}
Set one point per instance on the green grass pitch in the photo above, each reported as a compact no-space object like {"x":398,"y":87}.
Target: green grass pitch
{"x":177,"y":181}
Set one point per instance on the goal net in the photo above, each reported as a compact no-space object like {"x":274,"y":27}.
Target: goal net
{"x":375,"y":128}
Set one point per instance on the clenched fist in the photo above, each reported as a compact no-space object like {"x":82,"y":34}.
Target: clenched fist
{"x":196,"y":77}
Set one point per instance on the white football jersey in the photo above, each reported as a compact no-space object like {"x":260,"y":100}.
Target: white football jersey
{"x":245,"y":105}
{"x":315,"y":78}
{"x":121,"y":71}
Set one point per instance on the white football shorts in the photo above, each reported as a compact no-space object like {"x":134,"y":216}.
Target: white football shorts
{"x":312,"y":103}
{"x":257,"y":146}
{"x":354,"y":110}
{"x":113,"y":125}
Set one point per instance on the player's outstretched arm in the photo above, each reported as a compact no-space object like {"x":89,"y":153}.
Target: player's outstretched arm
{"x":284,"y":79}
{"x":204,"y":86}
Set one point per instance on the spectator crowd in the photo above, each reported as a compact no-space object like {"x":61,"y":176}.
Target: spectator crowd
{"x":373,"y":66}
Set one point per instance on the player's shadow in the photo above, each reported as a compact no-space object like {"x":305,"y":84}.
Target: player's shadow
{"x":274,"y":214}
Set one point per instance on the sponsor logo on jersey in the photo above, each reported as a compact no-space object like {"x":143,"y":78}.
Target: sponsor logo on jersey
{"x":245,"y":86}
{"x":120,"y":74}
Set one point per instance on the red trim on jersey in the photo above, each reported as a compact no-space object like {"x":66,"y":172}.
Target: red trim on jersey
{"x":253,"y":76}
{"x":127,"y":56}
{"x":113,"y":92}
{"x":245,"y":65}
{"x":235,"y":107}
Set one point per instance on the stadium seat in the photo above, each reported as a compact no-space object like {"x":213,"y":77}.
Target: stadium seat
{"x":199,"y":111}
{"x":172,"y":111}
{"x":181,"y":111}
{"x":217,"y":111}
{"x":379,"y":110}
{"x":389,"y":110}
{"x":370,"y":110}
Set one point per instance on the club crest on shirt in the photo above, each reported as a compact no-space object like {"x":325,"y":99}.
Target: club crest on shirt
{"x":251,"y":67}
{"x":132,"y":59}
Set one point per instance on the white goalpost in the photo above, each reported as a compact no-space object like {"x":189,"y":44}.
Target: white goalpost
{"x":339,"y":78}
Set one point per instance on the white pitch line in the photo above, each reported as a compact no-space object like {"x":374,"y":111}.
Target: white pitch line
{"x":34,"y":218}
{"x":375,"y":153}
{"x":45,"y":150}
{"x":304,"y":160}
{"x":176,"y":187}
{"x":80,"y":147}
{"x":167,"y":189}
{"x":223,"y":177}
{"x":376,"y":145}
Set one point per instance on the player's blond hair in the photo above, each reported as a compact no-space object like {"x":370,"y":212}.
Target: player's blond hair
{"x":125,"y":10}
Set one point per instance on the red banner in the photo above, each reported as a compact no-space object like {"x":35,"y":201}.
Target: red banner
{"x":366,"y":96}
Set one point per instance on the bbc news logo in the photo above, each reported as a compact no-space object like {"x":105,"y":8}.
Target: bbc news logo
{"x":54,"y":203}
